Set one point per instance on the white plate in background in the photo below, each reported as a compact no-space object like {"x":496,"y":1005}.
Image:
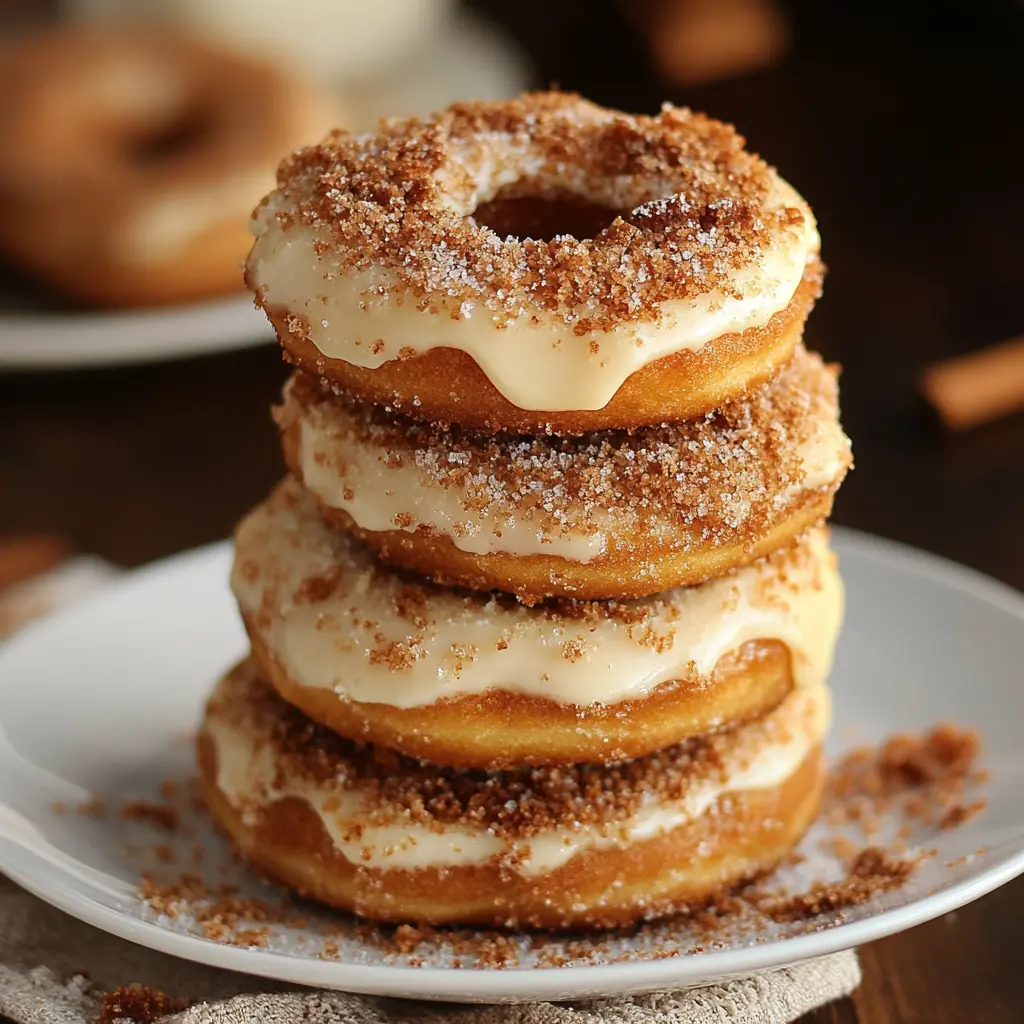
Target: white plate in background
{"x":76,"y":340}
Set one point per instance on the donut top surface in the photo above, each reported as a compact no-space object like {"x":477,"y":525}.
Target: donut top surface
{"x":693,"y":201}
{"x":379,"y":243}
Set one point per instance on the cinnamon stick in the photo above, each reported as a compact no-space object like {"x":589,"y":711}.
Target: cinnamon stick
{"x":972,"y":389}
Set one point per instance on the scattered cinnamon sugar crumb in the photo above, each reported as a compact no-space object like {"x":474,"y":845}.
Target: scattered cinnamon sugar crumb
{"x":96,"y":807}
{"x":408,"y":937}
{"x":138,"y":1004}
{"x":573,"y":650}
{"x":246,"y":937}
{"x":959,"y":813}
{"x":396,"y":655}
{"x":873,"y":871}
{"x":922,"y":779}
{"x":163,"y":815}
{"x":220,"y":911}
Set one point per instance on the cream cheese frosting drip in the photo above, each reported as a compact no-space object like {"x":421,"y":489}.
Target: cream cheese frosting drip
{"x":372,"y":832}
{"x":714,"y":243}
{"x":335,"y":619}
{"x":571,"y":498}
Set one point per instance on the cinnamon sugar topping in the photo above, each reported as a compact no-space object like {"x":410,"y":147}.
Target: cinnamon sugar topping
{"x":402,"y":198}
{"x":725,"y":477}
{"x":382,"y":637}
{"x":515,"y":804}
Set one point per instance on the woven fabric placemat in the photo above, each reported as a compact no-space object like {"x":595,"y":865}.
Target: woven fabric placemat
{"x":57,"y":970}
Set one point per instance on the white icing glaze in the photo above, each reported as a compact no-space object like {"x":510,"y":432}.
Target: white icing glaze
{"x":537,"y":362}
{"x":764,"y":755}
{"x":380,"y":493}
{"x":466,"y":646}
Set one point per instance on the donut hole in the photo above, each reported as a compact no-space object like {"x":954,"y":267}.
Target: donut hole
{"x":169,"y":137}
{"x":543,"y":218}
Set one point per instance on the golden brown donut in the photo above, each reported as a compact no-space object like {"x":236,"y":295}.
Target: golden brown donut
{"x":446,"y":385}
{"x":537,"y":264}
{"x":132,"y":160}
{"x":609,"y":514}
{"x":586,"y":846}
{"x":499,"y":729}
{"x":479,"y":680}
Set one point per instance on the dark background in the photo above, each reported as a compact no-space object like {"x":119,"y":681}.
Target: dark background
{"x":901,"y":124}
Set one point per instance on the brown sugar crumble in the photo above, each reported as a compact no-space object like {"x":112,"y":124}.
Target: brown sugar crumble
{"x":957,"y":814}
{"x":921,"y":779}
{"x":138,"y":1004}
{"x":221,"y":913}
{"x":908,"y":780}
{"x":872,"y":871}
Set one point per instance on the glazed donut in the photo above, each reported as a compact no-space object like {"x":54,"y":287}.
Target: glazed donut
{"x":639,"y":270}
{"x":480,"y":680}
{"x":610,"y":514}
{"x":587,"y":846}
{"x":132,"y":160}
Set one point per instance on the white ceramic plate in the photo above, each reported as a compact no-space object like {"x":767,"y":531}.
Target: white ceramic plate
{"x":101,"y":700}
{"x":75,"y":340}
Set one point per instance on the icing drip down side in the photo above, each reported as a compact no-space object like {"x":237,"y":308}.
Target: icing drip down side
{"x":336,"y":619}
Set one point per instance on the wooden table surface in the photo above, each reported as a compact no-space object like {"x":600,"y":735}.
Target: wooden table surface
{"x":907,"y":145}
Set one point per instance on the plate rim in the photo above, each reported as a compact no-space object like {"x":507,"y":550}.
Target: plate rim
{"x":79,"y":339}
{"x":525,"y":984}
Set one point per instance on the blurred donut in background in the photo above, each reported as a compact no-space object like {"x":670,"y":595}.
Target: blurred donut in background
{"x":132,"y":159}
{"x":395,"y":58}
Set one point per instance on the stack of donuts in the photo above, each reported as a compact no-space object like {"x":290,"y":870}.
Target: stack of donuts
{"x":543,"y":614}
